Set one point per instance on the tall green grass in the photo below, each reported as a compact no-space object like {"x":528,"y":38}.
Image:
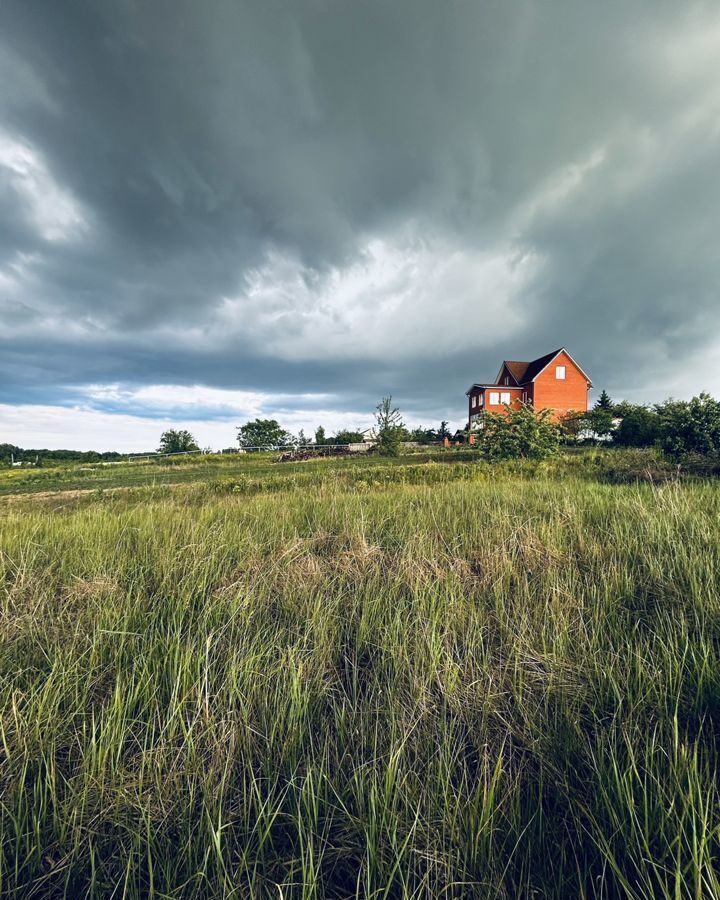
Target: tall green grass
{"x":478,"y":687}
{"x":255,"y":472}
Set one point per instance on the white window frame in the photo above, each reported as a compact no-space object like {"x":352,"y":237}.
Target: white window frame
{"x":560,"y":373}
{"x":494,"y":398}
{"x":481,"y":399}
{"x":473,"y":401}
{"x":505,"y":398}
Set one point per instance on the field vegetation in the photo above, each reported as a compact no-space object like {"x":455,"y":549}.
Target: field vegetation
{"x":427,"y":676}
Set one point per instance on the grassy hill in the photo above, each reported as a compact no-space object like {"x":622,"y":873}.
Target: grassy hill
{"x":233,"y":678}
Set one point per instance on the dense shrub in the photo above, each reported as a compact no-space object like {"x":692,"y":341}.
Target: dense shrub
{"x":521,"y":433}
{"x":690,"y":427}
{"x":640,"y":427}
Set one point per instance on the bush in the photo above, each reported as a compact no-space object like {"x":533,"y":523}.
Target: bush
{"x":640,"y":427}
{"x":520,"y":433}
{"x":690,"y":427}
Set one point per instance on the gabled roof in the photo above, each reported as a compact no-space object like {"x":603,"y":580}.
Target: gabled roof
{"x":516,"y":369}
{"x":535,"y":367}
{"x":525,"y":372}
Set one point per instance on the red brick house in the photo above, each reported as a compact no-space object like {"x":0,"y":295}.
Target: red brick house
{"x":554,"y":381}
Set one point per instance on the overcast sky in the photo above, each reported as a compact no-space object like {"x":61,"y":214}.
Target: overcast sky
{"x":211,"y":211}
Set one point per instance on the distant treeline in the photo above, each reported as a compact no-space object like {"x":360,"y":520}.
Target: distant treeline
{"x":10,"y":452}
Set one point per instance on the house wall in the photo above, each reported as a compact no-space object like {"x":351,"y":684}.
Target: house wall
{"x":561,"y":396}
{"x":515,"y":400}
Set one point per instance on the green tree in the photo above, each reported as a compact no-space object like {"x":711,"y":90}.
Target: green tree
{"x":521,"y":433}
{"x":9,"y":451}
{"x":423,"y":435}
{"x":264,"y":433}
{"x":639,"y":427}
{"x":443,"y":431}
{"x":390,"y":430}
{"x":320,"y":438}
{"x":594,"y":423}
{"x":600,"y":421}
{"x":623,"y":407}
{"x":690,"y":427}
{"x":604,"y":401}
{"x":173,"y":441}
{"x":348,"y":437}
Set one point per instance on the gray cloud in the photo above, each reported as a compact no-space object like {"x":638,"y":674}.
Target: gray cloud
{"x":354,"y":198}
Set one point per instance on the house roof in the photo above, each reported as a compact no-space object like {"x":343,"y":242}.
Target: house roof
{"x":525,"y":372}
{"x":516,"y":369}
{"x":535,"y":367}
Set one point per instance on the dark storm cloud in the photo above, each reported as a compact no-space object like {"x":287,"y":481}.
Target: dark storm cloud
{"x":353,"y":198}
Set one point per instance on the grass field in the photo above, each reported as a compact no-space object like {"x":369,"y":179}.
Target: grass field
{"x":260,"y":468}
{"x":359,"y":679}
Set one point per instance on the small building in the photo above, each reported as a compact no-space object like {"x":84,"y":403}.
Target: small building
{"x":554,"y":381}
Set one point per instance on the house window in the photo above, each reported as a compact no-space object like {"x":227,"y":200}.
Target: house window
{"x":560,"y":373}
{"x":507,"y":380}
{"x":505,"y":397}
{"x":473,"y":401}
{"x":481,"y":399}
{"x":494,"y":398}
